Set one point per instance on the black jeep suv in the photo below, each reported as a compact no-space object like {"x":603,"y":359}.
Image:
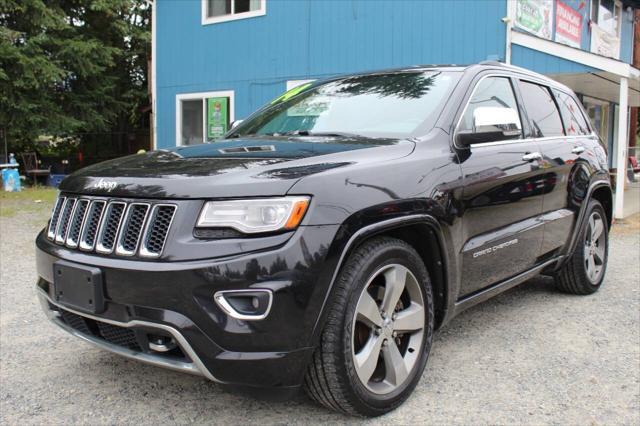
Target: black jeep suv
{"x":322,"y":241}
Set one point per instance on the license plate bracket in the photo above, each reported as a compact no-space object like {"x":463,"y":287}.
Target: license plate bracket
{"x":78,"y":287}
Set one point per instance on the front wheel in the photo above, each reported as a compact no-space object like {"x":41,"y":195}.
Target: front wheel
{"x":584,"y":271}
{"x":378,"y":333}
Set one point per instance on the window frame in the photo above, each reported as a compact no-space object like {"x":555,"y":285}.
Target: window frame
{"x":555,"y":102}
{"x":595,"y":15}
{"x":208,"y":20}
{"x":203,"y":96}
{"x":524,"y":123}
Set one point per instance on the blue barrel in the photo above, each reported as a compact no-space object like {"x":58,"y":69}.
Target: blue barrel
{"x":10,"y":180}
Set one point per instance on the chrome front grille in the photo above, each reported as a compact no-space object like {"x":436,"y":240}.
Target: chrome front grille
{"x":157,"y":230}
{"x":111,"y":226}
{"x":132,"y":229}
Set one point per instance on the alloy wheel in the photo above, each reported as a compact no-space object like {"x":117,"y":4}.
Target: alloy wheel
{"x":388,"y":329}
{"x":595,"y":248}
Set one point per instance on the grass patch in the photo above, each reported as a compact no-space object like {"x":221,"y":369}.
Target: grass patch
{"x":44,"y":193}
{"x":28,"y":200}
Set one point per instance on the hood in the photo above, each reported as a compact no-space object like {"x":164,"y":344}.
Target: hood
{"x":229,"y":168}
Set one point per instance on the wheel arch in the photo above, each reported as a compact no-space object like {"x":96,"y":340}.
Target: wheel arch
{"x":424,"y":234}
{"x":599,"y":190}
{"x":604,"y":195}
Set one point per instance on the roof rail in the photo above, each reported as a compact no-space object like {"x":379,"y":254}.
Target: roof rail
{"x":491,"y":63}
{"x":509,"y":66}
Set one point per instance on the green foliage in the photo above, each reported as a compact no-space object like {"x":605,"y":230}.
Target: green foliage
{"x":72,"y":67}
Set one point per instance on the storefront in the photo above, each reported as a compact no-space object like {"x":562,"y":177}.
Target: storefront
{"x":216,"y":61}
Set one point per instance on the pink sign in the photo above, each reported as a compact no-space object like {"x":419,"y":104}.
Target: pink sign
{"x":568,"y":25}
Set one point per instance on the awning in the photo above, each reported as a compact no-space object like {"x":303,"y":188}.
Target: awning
{"x":601,"y":85}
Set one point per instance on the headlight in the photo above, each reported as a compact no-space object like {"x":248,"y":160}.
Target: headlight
{"x":254,"y":215}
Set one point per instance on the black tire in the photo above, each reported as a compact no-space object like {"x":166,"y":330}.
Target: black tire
{"x":573,"y":276}
{"x":331,"y":378}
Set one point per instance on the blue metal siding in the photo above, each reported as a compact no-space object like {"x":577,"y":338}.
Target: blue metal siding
{"x":626,"y":36}
{"x":545,"y":64}
{"x":311,"y":39}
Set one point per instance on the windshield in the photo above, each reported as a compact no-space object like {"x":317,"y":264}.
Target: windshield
{"x":392,"y":105}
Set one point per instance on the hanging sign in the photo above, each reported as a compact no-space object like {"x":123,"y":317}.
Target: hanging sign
{"x":217,"y":117}
{"x":568,"y":25}
{"x":534,"y":16}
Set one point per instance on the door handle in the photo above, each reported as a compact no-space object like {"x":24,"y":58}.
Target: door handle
{"x":533,"y":156}
{"x":577,"y":150}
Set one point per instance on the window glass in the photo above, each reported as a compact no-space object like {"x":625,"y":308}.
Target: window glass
{"x":609,"y":15}
{"x":541,"y":109}
{"x":392,"y":105}
{"x":574,"y":121}
{"x":230,"y":7}
{"x":495,"y":92}
{"x":191,"y":122}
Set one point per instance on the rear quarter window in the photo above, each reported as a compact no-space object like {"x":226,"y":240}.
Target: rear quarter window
{"x":574,"y":121}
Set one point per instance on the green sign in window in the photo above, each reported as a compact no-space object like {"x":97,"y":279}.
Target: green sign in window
{"x":217,"y":117}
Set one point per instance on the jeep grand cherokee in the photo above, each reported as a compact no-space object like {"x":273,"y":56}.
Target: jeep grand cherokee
{"x":322,"y":241}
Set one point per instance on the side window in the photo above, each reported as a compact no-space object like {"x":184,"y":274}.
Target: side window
{"x":495,"y":92}
{"x":574,"y":121}
{"x":541,"y":109}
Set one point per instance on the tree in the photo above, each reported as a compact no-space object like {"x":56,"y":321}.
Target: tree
{"x":72,"y":67}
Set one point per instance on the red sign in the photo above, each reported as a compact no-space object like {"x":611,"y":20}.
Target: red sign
{"x":568,"y":25}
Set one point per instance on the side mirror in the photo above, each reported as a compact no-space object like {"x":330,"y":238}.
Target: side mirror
{"x":235,"y":124}
{"x":491,"y":124}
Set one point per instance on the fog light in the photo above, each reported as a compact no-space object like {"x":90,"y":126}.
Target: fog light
{"x":247,"y":305}
{"x":161,"y":343}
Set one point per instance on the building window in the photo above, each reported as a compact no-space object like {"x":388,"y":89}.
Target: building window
{"x":608,"y":15}
{"x":203,"y":117}
{"x":216,"y":11}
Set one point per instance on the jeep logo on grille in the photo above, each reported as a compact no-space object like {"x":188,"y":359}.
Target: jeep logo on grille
{"x":109,"y":185}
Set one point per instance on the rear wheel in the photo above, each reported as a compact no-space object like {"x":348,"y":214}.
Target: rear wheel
{"x":584,"y":271}
{"x":378,"y":333}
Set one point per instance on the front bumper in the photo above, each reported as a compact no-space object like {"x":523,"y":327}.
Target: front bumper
{"x":175,"y":299}
{"x":190,"y":364}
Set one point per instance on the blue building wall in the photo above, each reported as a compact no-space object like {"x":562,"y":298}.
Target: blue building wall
{"x":545,"y":64}
{"x":310,"y":39}
{"x":626,"y":36}
{"x":305,"y":39}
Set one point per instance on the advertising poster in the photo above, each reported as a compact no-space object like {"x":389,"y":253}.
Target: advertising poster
{"x":568,"y":25}
{"x":217,"y":117}
{"x":534,"y":16}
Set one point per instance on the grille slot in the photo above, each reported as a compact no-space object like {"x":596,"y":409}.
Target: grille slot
{"x":90,"y":228}
{"x":132,"y":229}
{"x":75,"y":321}
{"x":110,"y":226}
{"x":63,"y":223}
{"x":157,"y":230}
{"x":53,"y":223}
{"x":120,"y":336}
{"x":76,"y":223}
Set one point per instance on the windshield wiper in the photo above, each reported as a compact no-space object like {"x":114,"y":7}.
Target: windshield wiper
{"x":306,"y":133}
{"x":330,"y":134}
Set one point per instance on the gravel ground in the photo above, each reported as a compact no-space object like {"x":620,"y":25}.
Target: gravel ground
{"x":529,"y":356}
